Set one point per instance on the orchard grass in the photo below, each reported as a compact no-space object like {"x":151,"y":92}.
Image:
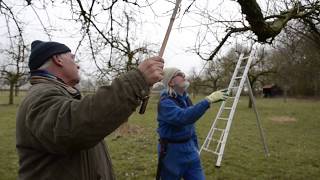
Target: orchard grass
{"x":292,"y":132}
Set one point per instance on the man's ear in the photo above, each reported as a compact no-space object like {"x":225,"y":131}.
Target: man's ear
{"x":57,"y":60}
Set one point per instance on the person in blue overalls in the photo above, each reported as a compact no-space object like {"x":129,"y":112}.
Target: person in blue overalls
{"x":178,"y":145}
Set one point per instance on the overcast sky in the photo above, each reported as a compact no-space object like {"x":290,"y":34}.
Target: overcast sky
{"x":182,"y":38}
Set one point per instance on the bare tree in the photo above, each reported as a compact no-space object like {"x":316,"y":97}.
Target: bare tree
{"x":115,"y":33}
{"x":260,"y":68}
{"x":220,"y":70}
{"x":125,"y":55}
{"x":14,"y":72}
{"x":108,"y":30}
{"x":13,"y":69}
{"x":108,"y":27}
{"x":197,"y":84}
{"x":214,"y":75}
{"x":266,"y":24}
{"x":297,"y":61}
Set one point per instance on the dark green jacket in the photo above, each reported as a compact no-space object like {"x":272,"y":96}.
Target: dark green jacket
{"x":61,"y":138}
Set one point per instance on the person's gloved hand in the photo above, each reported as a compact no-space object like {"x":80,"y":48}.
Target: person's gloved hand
{"x":220,"y":95}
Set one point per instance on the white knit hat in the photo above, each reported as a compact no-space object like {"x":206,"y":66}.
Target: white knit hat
{"x":169,"y":73}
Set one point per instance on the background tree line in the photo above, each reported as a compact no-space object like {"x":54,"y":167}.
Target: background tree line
{"x":109,"y":38}
{"x":292,"y":63}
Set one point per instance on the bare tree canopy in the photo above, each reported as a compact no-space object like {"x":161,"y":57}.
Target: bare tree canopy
{"x":270,"y":26}
{"x":108,"y":32}
{"x":108,"y":29}
{"x":265,"y":23}
{"x":103,"y":22}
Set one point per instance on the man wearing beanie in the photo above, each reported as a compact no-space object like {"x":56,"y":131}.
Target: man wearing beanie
{"x":59,"y":134}
{"x":178,"y":144}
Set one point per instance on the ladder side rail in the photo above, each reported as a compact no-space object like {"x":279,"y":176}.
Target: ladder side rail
{"x":262,"y":136}
{"x":234,"y":75}
{"x":225,"y":137}
{"x":211,"y":132}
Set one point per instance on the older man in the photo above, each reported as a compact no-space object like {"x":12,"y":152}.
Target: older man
{"x":178,"y":146}
{"x":59,"y":134}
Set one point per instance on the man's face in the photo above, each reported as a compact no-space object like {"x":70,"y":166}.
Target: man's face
{"x":177,"y":82}
{"x":70,"y":68}
{"x":178,"y":79}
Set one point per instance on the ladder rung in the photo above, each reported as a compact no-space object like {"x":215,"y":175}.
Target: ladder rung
{"x":215,"y":140}
{"x":236,"y":84}
{"x":247,"y":57}
{"x":226,"y":119}
{"x":218,"y":129}
{"x":208,"y":150}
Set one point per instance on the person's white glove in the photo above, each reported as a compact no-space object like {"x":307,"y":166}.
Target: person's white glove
{"x":220,"y":95}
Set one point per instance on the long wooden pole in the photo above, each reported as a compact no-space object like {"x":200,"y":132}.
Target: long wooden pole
{"x":166,"y":37}
{"x":163,"y":47}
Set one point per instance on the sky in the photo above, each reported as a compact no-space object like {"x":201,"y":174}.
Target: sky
{"x":181,"y":40}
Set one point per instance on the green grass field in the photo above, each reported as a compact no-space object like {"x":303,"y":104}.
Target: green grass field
{"x":292,"y":131}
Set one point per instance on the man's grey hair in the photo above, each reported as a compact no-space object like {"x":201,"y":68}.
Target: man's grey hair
{"x":46,"y":65}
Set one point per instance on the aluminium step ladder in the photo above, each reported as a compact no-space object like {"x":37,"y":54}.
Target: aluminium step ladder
{"x":216,"y":139}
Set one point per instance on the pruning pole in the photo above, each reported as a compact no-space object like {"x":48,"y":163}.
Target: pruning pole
{"x":163,"y":47}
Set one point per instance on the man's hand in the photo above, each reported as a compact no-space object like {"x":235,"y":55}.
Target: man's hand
{"x":217,"y":96}
{"x":152,"y":69}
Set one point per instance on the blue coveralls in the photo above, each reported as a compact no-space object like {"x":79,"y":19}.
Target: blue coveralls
{"x":176,"y":118}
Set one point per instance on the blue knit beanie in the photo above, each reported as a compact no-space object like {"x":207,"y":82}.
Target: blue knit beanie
{"x":41,"y":51}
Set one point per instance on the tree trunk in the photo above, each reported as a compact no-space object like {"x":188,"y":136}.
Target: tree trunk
{"x":253,"y":93}
{"x":16,"y":92}
{"x":285,"y":95}
{"x":316,"y":87}
{"x":250,"y":103}
{"x":259,"y":26}
{"x":11,"y":93}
